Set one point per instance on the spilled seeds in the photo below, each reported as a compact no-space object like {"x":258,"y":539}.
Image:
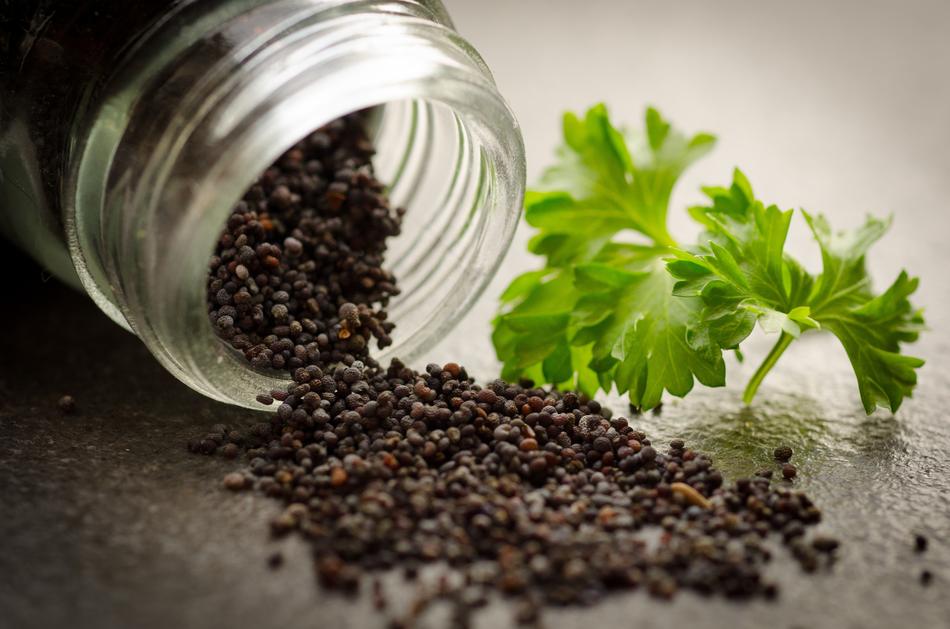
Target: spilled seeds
{"x":540,"y":495}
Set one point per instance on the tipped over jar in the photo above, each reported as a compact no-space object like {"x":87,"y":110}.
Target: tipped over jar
{"x":129,"y":130}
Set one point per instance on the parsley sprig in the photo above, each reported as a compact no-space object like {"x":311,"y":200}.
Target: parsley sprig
{"x":653,"y":315}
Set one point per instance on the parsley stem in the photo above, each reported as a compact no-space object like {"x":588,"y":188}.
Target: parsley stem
{"x":783,"y":342}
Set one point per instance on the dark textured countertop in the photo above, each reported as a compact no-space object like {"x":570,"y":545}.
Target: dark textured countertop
{"x":107,"y":521}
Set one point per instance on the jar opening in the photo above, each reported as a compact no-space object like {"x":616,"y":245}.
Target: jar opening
{"x":161,"y":173}
{"x":454,"y":231}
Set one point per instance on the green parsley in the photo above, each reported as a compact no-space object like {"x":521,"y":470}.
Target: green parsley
{"x":653,"y":316}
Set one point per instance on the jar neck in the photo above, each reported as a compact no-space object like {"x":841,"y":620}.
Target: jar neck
{"x":203,"y":111}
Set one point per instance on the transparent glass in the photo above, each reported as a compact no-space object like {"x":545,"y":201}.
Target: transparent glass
{"x":203,"y":99}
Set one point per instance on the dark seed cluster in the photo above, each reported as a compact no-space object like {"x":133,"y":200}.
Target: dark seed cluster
{"x":540,"y":495}
{"x":297,"y":275}
{"x":533,"y":493}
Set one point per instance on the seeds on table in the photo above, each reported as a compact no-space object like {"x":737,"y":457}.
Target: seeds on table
{"x":540,"y":494}
{"x":67,"y":404}
{"x":235,"y":481}
{"x":783,"y":454}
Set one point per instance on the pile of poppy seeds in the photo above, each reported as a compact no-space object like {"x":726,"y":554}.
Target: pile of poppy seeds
{"x":537,"y":494}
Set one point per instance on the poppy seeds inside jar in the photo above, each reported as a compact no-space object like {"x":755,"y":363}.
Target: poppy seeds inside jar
{"x":297,"y":277}
{"x":540,"y":494}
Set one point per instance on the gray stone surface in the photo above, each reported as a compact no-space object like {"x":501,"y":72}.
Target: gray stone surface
{"x":106,"y":521}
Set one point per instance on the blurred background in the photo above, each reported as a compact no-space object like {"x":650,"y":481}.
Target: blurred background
{"x":838,"y":107}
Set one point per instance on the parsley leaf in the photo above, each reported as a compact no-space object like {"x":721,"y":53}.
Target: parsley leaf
{"x":532,"y":339}
{"x":602,"y":185}
{"x":743,"y":275}
{"x":870,"y":327}
{"x":643,"y":332}
{"x":602,"y":313}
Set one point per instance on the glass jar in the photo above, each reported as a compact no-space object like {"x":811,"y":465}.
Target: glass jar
{"x":128,"y":133}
